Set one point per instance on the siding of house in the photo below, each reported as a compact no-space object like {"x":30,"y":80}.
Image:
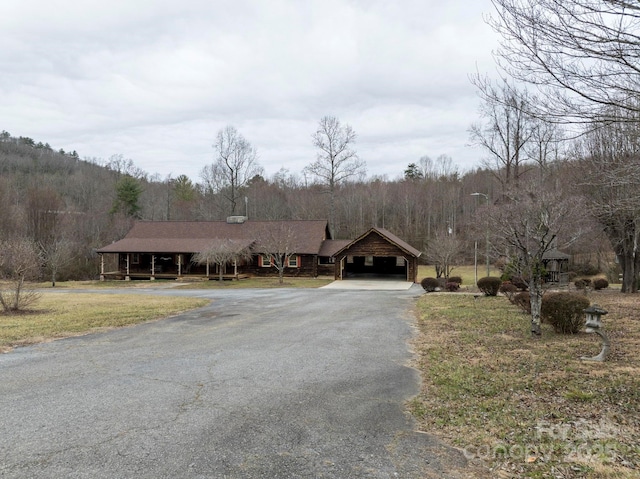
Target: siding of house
{"x":305,"y":268}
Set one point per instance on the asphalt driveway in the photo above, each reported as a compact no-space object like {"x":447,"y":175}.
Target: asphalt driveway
{"x":261,"y":384}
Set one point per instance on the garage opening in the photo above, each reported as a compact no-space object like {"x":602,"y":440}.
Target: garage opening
{"x":384,"y":267}
{"x":377,"y":254}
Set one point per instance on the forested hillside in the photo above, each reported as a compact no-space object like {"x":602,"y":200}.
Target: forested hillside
{"x":70,"y":207}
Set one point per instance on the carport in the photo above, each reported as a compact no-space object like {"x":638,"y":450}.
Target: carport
{"x":378,"y":253}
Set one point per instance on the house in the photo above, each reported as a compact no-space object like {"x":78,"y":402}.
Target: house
{"x":167,"y":249}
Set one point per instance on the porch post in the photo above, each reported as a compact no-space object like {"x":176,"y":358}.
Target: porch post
{"x":207,"y":268}
{"x":153,"y":266}
{"x":101,"y":267}
{"x":235,"y":267}
{"x":127,"y":277}
{"x":179,"y":265}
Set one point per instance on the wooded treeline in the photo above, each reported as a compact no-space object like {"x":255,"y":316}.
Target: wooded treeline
{"x":70,"y":207}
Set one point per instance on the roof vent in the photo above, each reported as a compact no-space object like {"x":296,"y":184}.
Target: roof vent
{"x":236,"y":220}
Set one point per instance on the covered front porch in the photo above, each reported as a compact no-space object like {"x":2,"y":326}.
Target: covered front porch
{"x":152,"y":266}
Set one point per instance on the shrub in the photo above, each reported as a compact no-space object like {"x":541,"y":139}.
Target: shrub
{"x":523,"y":301}
{"x":509,"y":290}
{"x":452,"y":287}
{"x":489,"y":285}
{"x":583,"y":283}
{"x":600,"y":283}
{"x":586,"y":269}
{"x":429,"y":284}
{"x":520,"y":283}
{"x":564,"y":311}
{"x":572,"y":275}
{"x":455,"y":279}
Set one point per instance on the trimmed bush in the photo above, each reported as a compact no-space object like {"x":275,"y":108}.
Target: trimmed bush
{"x":509,"y":290}
{"x":429,"y":284}
{"x":600,"y":283}
{"x":489,"y":285}
{"x":586,"y":269}
{"x":523,"y":301}
{"x":452,"y":287}
{"x":455,"y":279}
{"x":520,"y":283}
{"x":564,"y":311}
{"x":583,"y":283}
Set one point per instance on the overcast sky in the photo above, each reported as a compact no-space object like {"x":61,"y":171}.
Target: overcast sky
{"x":156,"y":80}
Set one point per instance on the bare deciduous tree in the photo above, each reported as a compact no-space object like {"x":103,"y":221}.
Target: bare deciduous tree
{"x":19,"y":262}
{"x":582,"y":54}
{"x":278,"y":242}
{"x":609,"y":176}
{"x":443,"y":251}
{"x":221,"y":252}
{"x":56,"y":254}
{"x":505,"y":130}
{"x":529,"y":221}
{"x":235,"y":164}
{"x":337,"y":161}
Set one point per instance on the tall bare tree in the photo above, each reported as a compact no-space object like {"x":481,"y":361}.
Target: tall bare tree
{"x":609,"y":174}
{"x":235,"y":164}
{"x":582,"y":54}
{"x":505,"y":130}
{"x":337,"y":160}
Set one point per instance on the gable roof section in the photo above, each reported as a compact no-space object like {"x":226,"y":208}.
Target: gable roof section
{"x":556,"y":254}
{"x":331,"y":247}
{"x":390,"y":237}
{"x":195,"y":236}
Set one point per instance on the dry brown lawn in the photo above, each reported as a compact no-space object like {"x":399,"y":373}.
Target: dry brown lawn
{"x":59,"y":315}
{"x":519,"y":406}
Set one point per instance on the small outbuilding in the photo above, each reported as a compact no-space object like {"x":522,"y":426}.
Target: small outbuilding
{"x":556,"y":265}
{"x":377,"y":253}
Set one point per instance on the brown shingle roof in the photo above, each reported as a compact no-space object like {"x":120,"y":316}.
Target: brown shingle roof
{"x":331,"y":247}
{"x":195,"y":236}
{"x":389,"y":237}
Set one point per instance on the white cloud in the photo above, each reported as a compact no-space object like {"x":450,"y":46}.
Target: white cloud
{"x":155,"y":80}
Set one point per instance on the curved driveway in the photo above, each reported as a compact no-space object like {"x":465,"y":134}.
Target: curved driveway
{"x":276,"y":383}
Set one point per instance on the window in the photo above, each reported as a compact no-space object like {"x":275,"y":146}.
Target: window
{"x":368,"y":261}
{"x":135,"y":258}
{"x":265,"y":261}
{"x":293,"y":262}
{"x":399,"y":261}
{"x":326,"y":260}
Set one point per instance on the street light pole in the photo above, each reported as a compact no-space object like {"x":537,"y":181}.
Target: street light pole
{"x":486,"y":197}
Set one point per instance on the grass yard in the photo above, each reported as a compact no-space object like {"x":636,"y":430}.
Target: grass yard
{"x":62,"y":315}
{"x":528,"y":407}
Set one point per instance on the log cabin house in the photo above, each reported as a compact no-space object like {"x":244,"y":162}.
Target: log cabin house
{"x":166,"y":250}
